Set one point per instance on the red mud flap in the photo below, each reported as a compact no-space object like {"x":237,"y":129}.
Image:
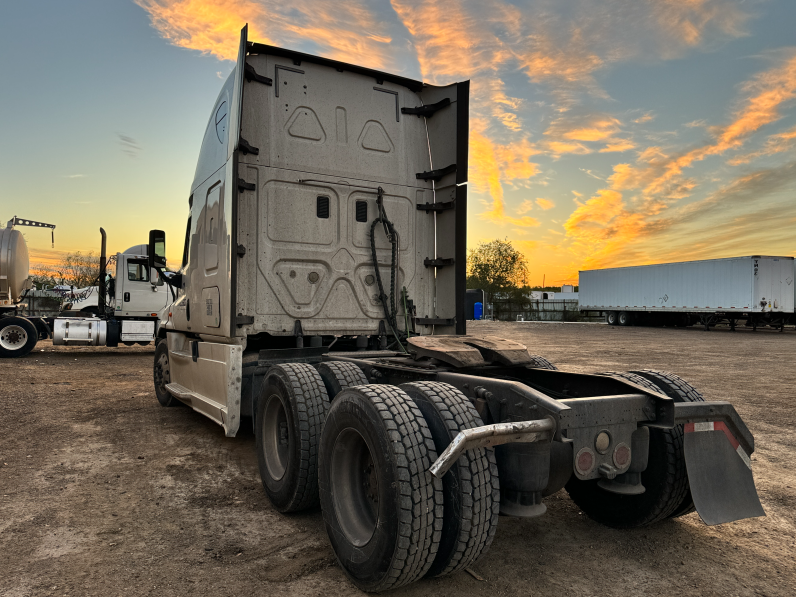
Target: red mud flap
{"x":720,"y":474}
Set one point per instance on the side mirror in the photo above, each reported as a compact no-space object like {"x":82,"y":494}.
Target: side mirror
{"x":157,"y":249}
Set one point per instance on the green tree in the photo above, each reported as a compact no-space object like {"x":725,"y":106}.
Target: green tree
{"x":496,"y":267}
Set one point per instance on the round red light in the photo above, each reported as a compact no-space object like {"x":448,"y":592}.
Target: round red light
{"x":585,"y":461}
{"x":622,"y":456}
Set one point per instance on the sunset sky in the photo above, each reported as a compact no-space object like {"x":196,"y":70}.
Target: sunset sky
{"x":602,"y":132}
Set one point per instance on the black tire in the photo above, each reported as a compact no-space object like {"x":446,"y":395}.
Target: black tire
{"x":471,"y":489}
{"x":611,"y":317}
{"x":665,"y":479}
{"x":340,"y":375}
{"x":290,"y":413}
{"x":382,"y":507}
{"x":18,"y":337}
{"x":624,"y":318}
{"x":161,"y":373}
{"x":538,"y":362}
{"x":679,"y":390}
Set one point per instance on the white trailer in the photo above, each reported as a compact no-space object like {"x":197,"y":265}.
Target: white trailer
{"x":758,"y":289}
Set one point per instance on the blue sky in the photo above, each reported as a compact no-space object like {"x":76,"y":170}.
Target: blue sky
{"x":603,"y":132}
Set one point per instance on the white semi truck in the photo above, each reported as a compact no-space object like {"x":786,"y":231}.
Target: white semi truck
{"x":757,"y":290}
{"x":323,"y":302}
{"x":123,"y":309}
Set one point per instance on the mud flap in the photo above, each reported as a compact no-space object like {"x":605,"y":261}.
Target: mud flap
{"x":720,"y":474}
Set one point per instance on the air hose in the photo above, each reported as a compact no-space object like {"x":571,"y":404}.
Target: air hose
{"x":387,"y":302}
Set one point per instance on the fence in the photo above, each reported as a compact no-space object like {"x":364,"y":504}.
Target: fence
{"x":42,"y":303}
{"x":541,"y":310}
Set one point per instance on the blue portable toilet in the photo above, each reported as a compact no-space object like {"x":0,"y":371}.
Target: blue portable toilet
{"x":478,"y":311}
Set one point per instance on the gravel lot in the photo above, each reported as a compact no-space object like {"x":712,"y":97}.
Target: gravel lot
{"x":103,"y":492}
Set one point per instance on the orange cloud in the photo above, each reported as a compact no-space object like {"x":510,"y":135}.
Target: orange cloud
{"x":689,"y":20}
{"x":345,"y":30}
{"x":210,"y":27}
{"x":601,"y":227}
{"x":777,"y":143}
{"x":769,"y":91}
{"x":525,"y":207}
{"x":545,"y":204}
{"x":618,"y":146}
{"x":648,"y":116}
{"x":450,"y":38}
{"x":560,"y":147}
{"x":491,"y":164}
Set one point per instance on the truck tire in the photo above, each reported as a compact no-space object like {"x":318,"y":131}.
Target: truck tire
{"x":679,"y":390}
{"x":611,"y":317}
{"x":161,"y":373}
{"x":624,"y":318}
{"x":290,"y":413}
{"x":538,"y":362}
{"x":470,"y":489}
{"x":340,"y":375}
{"x":18,"y":336}
{"x":382,"y":508}
{"x":665,"y":480}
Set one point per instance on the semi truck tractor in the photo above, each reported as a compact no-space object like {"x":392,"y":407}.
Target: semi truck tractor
{"x":757,"y":290}
{"x":124,"y":309}
{"x":322,"y":300}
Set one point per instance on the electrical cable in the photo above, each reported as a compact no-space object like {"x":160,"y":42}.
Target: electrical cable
{"x":388,"y":302}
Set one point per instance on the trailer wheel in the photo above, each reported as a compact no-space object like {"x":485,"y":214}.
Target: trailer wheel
{"x":538,"y":362}
{"x":611,"y":317}
{"x":340,"y":375}
{"x":679,"y":390}
{"x":161,"y":371}
{"x":471,"y":489}
{"x":665,"y":480}
{"x":624,"y":318}
{"x":18,"y":336}
{"x":382,"y":507}
{"x":290,"y":413}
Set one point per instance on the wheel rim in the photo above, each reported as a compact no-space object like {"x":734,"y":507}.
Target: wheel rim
{"x":163,"y":372}
{"x":354,"y":487}
{"x":276,"y":437}
{"x":13,"y":337}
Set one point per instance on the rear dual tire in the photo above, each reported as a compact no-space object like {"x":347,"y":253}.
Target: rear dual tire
{"x":623,"y":318}
{"x":667,"y":493}
{"x":471,"y":490}
{"x":382,"y":507}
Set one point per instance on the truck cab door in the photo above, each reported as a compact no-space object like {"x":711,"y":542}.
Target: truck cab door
{"x":138,"y":296}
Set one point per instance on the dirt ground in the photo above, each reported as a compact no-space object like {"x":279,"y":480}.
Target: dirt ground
{"x":103,"y":492}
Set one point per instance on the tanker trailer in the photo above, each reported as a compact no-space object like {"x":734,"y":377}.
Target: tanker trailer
{"x":18,"y":335}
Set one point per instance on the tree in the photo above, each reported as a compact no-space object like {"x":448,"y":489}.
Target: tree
{"x":74,"y":269}
{"x":496,"y":267}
